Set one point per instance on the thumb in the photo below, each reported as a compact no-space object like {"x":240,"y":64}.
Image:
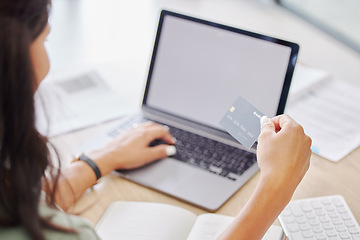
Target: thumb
{"x":161,"y":151}
{"x":267,"y":125}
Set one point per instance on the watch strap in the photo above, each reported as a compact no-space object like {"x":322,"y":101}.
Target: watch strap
{"x":91,"y":163}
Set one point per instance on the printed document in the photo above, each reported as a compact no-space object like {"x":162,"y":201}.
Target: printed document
{"x":64,"y":105}
{"x":330,"y":115}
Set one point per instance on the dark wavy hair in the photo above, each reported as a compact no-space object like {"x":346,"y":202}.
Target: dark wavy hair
{"x":24,"y":153}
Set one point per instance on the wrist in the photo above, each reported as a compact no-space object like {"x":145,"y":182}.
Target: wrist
{"x":276,"y":188}
{"x":103,"y":161}
{"x":91,"y":164}
{"x":267,"y":201}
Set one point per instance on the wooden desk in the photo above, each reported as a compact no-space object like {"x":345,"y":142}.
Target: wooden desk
{"x":118,"y":35}
{"x":323,"y":178}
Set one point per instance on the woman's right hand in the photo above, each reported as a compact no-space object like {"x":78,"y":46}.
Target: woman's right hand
{"x":283,"y":156}
{"x":283,"y":152}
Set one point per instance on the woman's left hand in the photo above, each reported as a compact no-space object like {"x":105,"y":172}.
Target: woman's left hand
{"x":131,"y":149}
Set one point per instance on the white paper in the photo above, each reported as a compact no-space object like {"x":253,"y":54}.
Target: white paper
{"x":305,"y":78}
{"x":210,"y":226}
{"x":330,"y":115}
{"x":145,"y":221}
{"x":64,"y":105}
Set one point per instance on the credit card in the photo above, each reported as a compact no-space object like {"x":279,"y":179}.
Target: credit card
{"x":242,"y":121}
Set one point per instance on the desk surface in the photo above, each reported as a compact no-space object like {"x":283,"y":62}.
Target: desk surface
{"x":117,"y":36}
{"x":323,"y":178}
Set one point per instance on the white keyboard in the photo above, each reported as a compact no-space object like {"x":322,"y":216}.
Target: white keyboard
{"x":322,"y":218}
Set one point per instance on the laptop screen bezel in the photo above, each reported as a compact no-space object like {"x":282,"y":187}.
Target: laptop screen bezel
{"x":288,"y":76}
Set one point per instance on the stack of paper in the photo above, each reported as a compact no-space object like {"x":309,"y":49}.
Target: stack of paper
{"x":64,"y":105}
{"x":329,"y":111}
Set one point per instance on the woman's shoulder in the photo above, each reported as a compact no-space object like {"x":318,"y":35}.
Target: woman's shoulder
{"x":82,"y":226}
{"x":18,"y":233}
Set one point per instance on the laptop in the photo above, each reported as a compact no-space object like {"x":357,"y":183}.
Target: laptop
{"x":198,"y":69}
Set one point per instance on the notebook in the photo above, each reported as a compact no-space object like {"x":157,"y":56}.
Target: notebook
{"x":198,"y":68}
{"x":148,"y":221}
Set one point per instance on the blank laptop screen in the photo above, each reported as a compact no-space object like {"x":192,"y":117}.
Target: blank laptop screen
{"x":199,"y":70}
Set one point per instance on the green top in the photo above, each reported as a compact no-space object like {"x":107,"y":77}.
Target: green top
{"x":81,"y":225}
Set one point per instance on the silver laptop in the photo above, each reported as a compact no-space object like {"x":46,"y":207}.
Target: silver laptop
{"x":198,"y":69}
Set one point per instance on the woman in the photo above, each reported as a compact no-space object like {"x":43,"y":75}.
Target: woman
{"x":33,"y":193}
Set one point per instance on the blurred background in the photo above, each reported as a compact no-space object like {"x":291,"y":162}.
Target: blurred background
{"x":119,"y":34}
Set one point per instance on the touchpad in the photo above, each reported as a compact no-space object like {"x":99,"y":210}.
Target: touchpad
{"x":166,"y":174}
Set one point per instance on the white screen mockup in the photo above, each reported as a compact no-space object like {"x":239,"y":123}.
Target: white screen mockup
{"x":200,"y":70}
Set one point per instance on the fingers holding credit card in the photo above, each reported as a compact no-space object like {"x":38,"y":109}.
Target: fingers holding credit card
{"x":283,"y":151}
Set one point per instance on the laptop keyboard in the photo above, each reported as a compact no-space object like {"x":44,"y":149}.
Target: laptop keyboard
{"x":213,"y":156}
